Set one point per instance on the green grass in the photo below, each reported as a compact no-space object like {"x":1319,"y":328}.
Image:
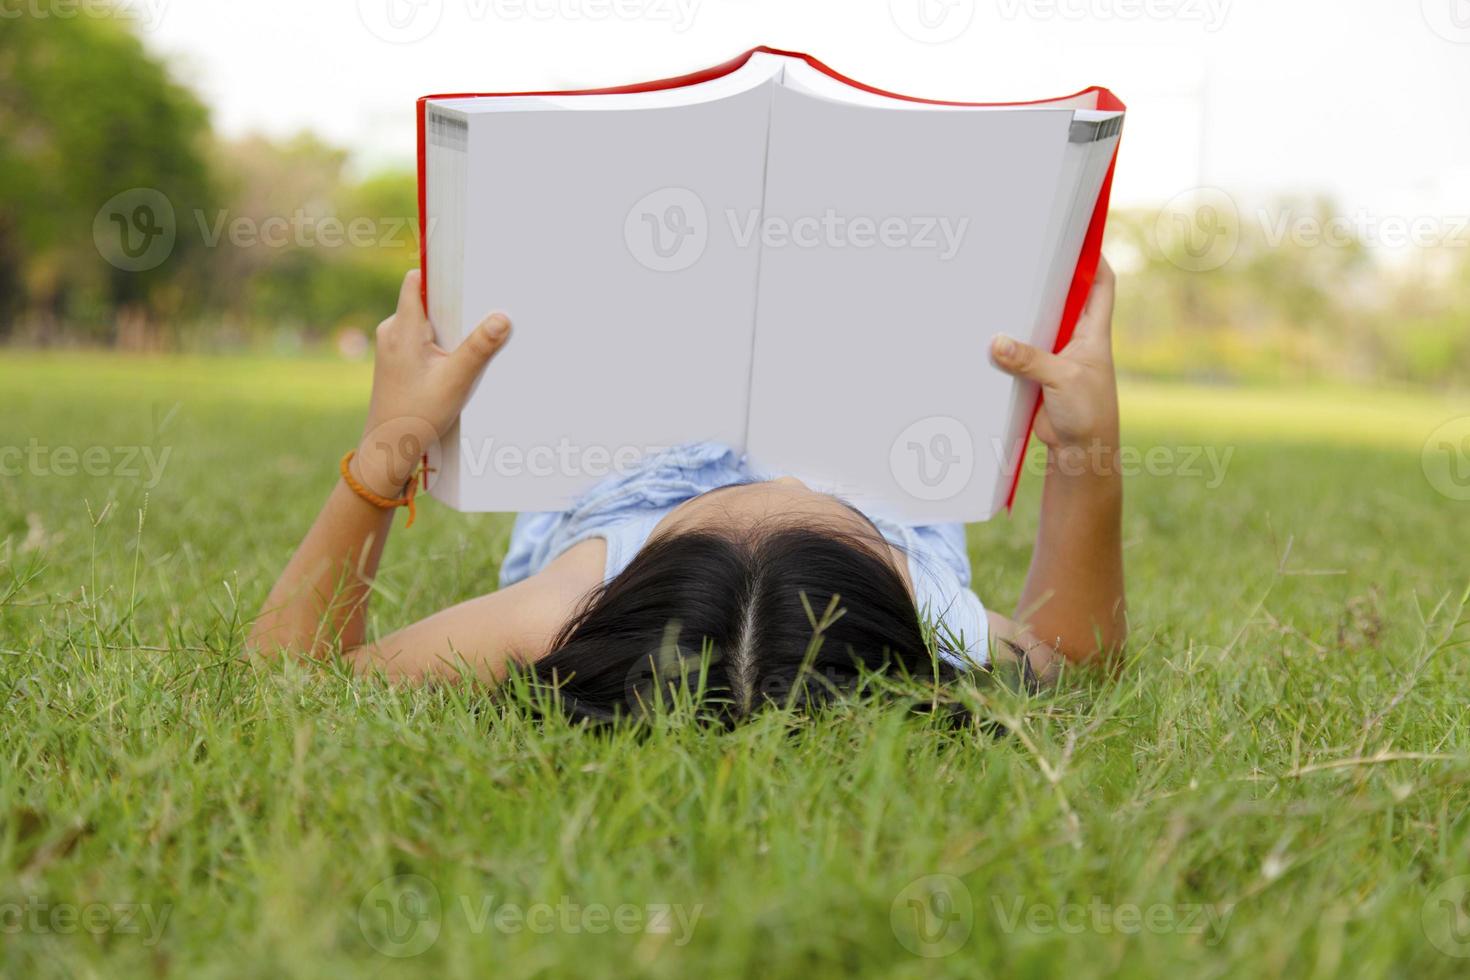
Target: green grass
{"x":1277,"y":784}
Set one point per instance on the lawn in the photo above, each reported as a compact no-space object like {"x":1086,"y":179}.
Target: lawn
{"x":1278,"y":784}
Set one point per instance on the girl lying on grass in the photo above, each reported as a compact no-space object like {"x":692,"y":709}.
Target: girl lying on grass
{"x":692,"y":554}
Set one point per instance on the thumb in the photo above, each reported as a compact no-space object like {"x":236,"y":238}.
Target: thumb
{"x":410,"y":298}
{"x":1024,"y":361}
{"x":1095,"y":325}
{"x":468,"y":359}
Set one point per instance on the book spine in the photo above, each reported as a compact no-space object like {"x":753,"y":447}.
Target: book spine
{"x":422,"y":107}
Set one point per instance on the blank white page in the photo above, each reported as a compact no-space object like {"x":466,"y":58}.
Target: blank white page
{"x":597,"y":232}
{"x":871,"y":376}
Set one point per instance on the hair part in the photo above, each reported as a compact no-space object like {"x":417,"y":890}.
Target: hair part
{"x":773,"y":615}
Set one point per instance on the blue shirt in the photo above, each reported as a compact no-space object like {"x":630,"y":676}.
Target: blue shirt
{"x":624,"y":508}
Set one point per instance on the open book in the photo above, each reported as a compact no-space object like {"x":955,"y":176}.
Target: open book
{"x":764,"y":254}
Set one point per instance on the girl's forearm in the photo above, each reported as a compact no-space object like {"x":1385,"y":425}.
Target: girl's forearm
{"x":419,"y":389}
{"x":1073,"y":597}
{"x":320,"y":601}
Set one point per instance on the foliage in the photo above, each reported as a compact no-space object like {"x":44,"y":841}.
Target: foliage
{"x":304,"y":247}
{"x":1278,"y":306}
{"x":264,"y":235}
{"x":86,"y":114}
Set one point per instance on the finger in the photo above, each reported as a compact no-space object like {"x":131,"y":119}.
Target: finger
{"x":1024,"y":361}
{"x":1095,"y":325}
{"x":411,"y":299}
{"x":1104,"y":285}
{"x":475,"y":351}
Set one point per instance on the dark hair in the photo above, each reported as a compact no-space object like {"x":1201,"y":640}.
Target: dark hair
{"x":783,"y":615}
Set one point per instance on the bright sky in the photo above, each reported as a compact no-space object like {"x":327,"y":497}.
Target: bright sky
{"x":1368,"y":100}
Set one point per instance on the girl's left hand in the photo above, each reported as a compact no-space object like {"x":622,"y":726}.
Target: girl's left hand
{"x":419,"y":388}
{"x":1079,"y":405}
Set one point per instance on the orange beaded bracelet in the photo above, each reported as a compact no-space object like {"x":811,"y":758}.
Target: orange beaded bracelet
{"x":378,"y":500}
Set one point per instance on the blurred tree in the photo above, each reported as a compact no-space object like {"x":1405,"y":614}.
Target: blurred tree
{"x":85,"y":115}
{"x":302,"y":246}
{"x":1288,"y":292}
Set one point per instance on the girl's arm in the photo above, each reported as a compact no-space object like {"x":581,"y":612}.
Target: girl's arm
{"x":319,"y":604}
{"x":1073,"y":598}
